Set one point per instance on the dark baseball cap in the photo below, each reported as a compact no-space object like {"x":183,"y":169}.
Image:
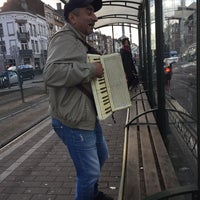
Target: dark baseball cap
{"x":72,"y":4}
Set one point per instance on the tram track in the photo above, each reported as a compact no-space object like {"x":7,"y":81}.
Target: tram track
{"x":17,"y":123}
{"x":23,"y":109}
{"x":19,"y":134}
{"x":17,"y":117}
{"x":23,"y":146}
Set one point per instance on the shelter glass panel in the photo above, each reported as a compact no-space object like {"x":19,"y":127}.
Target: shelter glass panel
{"x":180,"y":27}
{"x":180,"y":72}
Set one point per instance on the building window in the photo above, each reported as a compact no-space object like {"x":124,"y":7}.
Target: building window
{"x":34,"y":31}
{"x":39,"y":29}
{"x":31,"y":29}
{"x":2,"y":47}
{"x":27,"y":60}
{"x":10,"y":27}
{"x":45,"y":33}
{"x":22,"y":28}
{"x":36,"y":46}
{"x":13,"y":49}
{"x":42,"y":30}
{"x":12,"y":43}
{"x":24,"y":46}
{"x":33,"y":45}
{"x":1,"y":30}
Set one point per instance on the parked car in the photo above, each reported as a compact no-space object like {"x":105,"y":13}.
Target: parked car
{"x":3,"y":79}
{"x":11,"y":75}
{"x":26,"y":71}
{"x":172,"y":60}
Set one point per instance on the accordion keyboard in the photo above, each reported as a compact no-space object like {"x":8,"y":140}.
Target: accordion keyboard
{"x":110,"y":92}
{"x":101,"y":98}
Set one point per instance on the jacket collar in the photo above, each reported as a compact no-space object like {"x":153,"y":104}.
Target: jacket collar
{"x":78,"y":34}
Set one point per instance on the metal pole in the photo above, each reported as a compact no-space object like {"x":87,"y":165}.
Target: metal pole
{"x":162,"y":115}
{"x":42,"y":52}
{"x":198,"y":93}
{"x":113,"y":39}
{"x":140,"y":52}
{"x":20,"y":83}
{"x":149,"y":54}
{"x":130,"y":33}
{"x":145,"y":72}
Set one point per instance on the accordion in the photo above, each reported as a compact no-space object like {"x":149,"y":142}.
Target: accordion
{"x":110,"y":92}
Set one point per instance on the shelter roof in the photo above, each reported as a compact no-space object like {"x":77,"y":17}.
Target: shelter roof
{"x":114,"y":12}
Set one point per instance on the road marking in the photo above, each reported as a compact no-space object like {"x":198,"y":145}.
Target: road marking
{"x":19,"y":161}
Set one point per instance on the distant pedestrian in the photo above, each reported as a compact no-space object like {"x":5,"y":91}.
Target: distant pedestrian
{"x":128,"y":63}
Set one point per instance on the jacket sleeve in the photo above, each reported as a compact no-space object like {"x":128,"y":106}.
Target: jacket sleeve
{"x":67,"y":62}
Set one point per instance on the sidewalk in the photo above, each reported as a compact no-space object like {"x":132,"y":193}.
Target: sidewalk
{"x":48,"y":173}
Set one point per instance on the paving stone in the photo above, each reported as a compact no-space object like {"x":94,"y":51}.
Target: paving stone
{"x":49,"y":174}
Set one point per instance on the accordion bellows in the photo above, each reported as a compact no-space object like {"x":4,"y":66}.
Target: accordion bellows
{"x":110,"y":92}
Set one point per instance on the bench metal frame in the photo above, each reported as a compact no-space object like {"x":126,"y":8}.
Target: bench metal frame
{"x":167,"y":193}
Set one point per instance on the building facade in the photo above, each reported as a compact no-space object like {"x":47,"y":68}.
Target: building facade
{"x":179,"y":25}
{"x":23,"y":38}
{"x":25,"y":29}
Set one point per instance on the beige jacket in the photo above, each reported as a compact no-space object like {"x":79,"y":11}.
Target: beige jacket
{"x":67,"y":67}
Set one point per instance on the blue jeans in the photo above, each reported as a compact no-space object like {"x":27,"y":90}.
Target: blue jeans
{"x":88,"y":150}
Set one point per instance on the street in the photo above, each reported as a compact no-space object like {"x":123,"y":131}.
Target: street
{"x":183,"y":86}
{"x":17,"y":116}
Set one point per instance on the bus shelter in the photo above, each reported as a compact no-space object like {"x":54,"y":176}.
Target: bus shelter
{"x":148,"y":18}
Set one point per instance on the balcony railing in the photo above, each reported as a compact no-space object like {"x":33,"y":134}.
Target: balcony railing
{"x":44,"y":52}
{"x":25,"y":36}
{"x":25,"y":52}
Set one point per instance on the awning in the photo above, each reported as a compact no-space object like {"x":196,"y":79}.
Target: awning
{"x":116,"y":12}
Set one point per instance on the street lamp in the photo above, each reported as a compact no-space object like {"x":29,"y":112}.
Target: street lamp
{"x":42,"y":51}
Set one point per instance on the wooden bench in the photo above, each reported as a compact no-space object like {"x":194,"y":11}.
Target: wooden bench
{"x":147,"y":169}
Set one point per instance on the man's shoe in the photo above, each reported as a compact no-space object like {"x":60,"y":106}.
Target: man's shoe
{"x":102,"y":196}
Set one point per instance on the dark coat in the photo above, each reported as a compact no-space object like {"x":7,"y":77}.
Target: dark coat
{"x":129,"y":67}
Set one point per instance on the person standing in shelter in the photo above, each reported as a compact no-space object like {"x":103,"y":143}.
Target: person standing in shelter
{"x":67,"y":75}
{"x":128,"y":63}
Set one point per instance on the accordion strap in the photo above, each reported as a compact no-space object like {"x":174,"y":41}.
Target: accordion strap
{"x":85,"y":91}
{"x":88,"y":94}
{"x":81,"y":87}
{"x":91,"y":49}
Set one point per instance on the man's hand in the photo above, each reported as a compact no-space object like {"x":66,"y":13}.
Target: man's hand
{"x":99,"y":70}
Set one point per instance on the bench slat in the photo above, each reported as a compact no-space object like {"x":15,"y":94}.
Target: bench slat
{"x":148,"y":167}
{"x":132,"y":186}
{"x":167,"y":170}
{"x":166,"y":167}
{"x":150,"y":173}
{"x":132,"y":179}
{"x":152,"y":184}
{"x":169,"y":177}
